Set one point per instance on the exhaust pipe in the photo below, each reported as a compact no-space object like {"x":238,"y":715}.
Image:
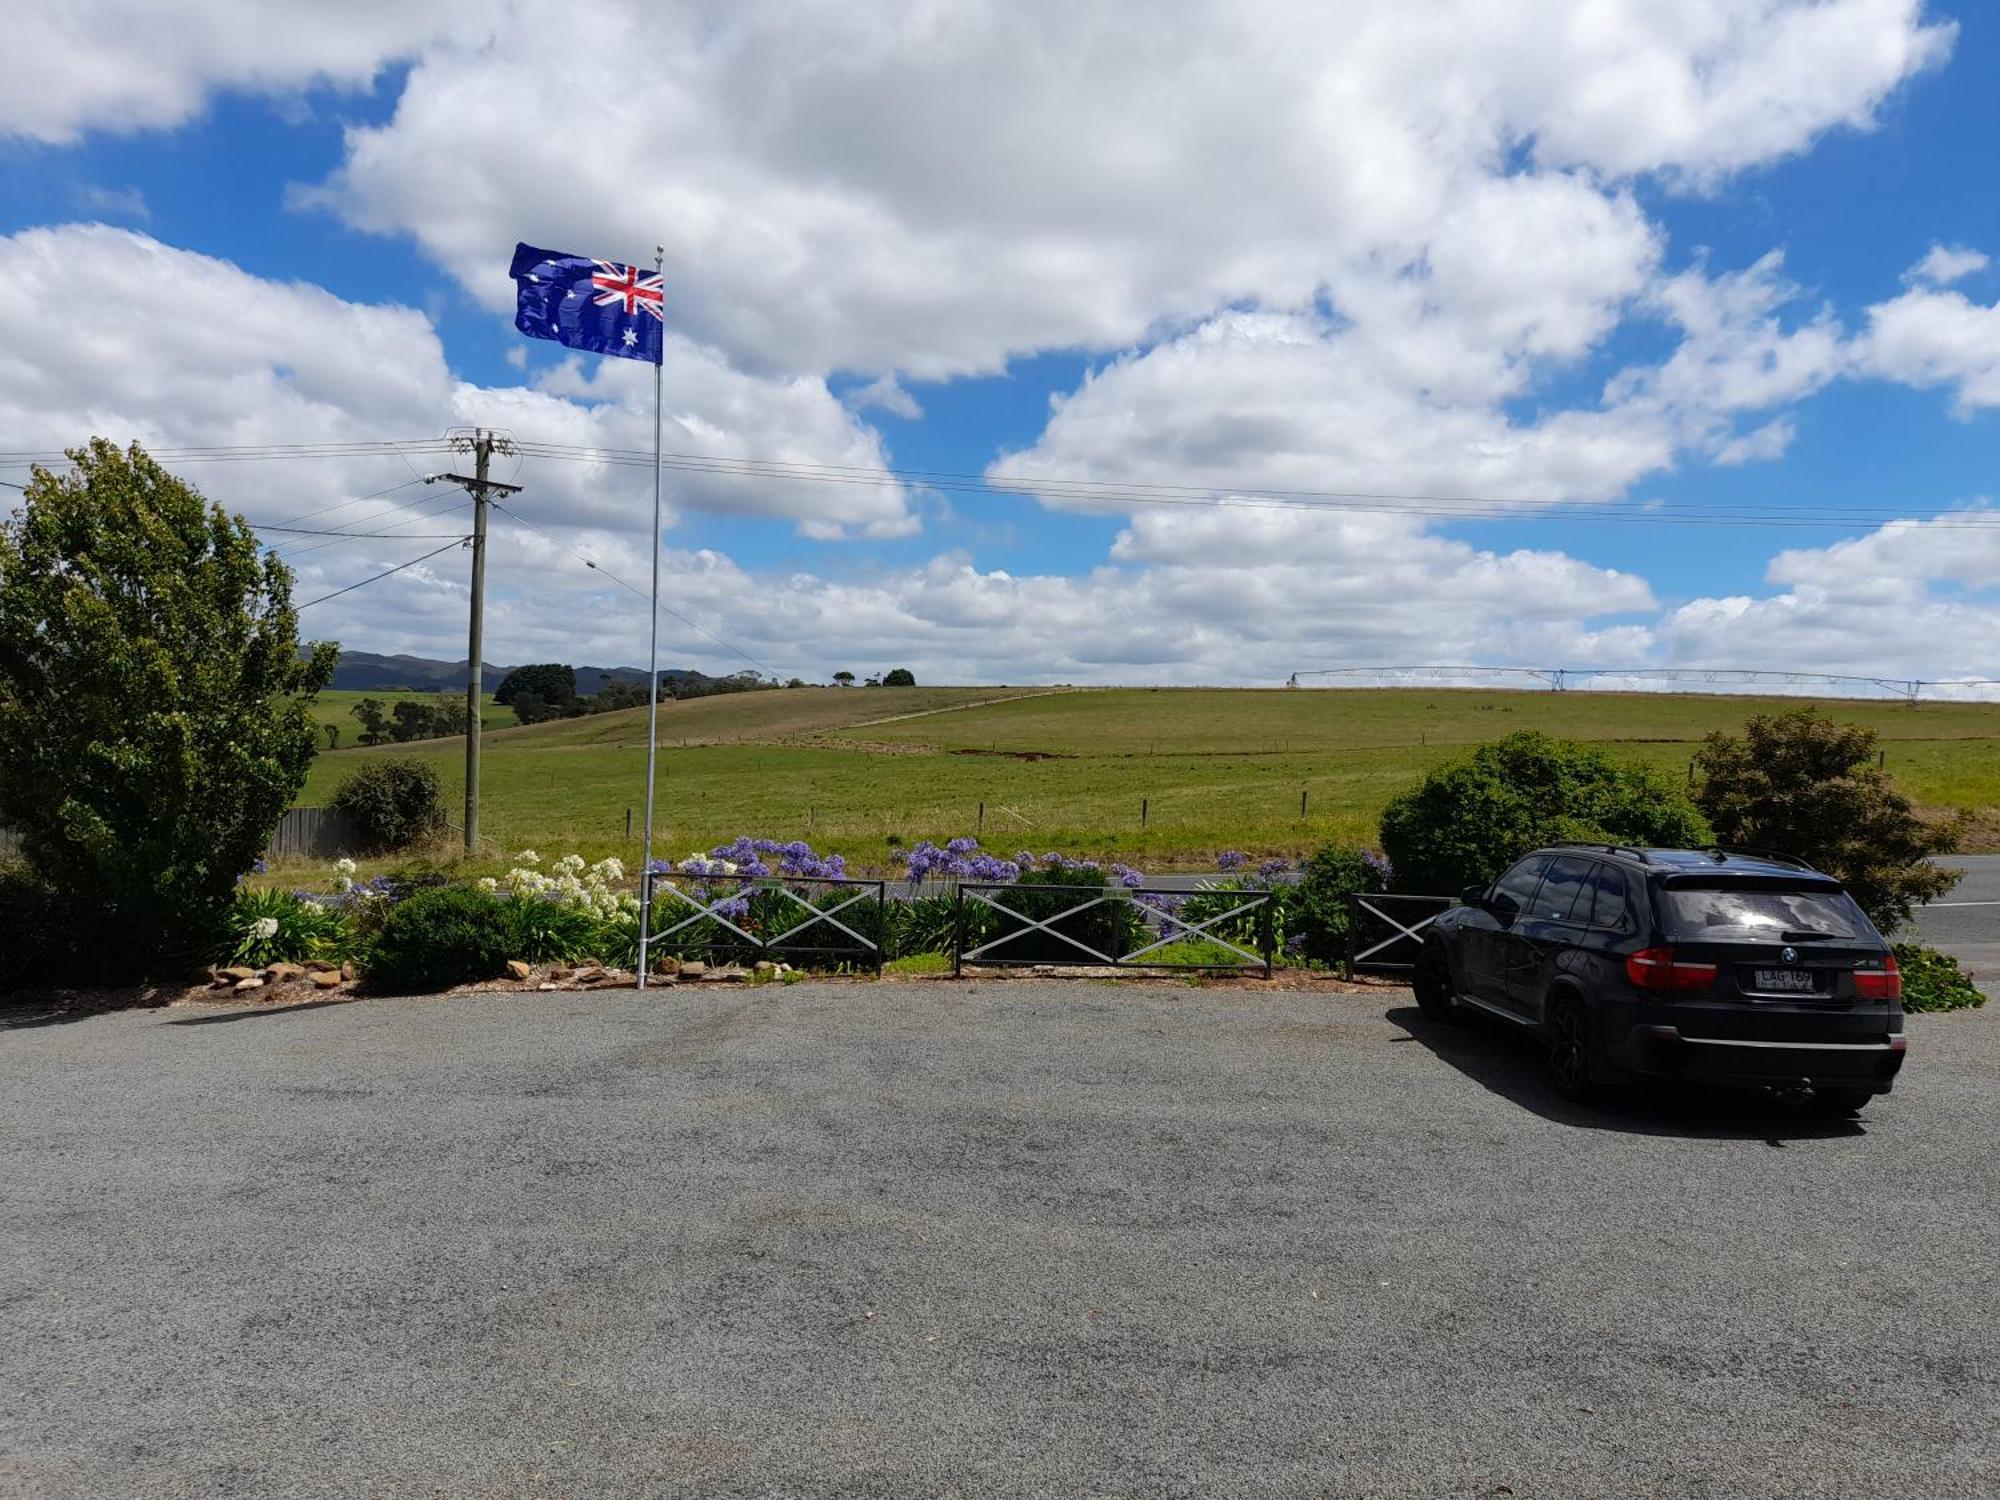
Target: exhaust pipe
{"x":1792,"y":1093}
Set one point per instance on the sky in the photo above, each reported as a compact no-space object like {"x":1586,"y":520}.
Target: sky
{"x":1123,"y":343}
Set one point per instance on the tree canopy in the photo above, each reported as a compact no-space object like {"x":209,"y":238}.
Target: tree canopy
{"x":1465,"y":823}
{"x":154,"y":705}
{"x":1802,"y":784}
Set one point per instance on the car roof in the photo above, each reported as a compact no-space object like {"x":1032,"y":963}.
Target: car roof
{"x":1746,"y":862}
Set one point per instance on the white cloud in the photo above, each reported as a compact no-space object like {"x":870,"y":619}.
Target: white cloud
{"x":1944,"y":264}
{"x":186,"y":349}
{"x":102,"y":64}
{"x":886,"y":394}
{"x":933,"y":189}
{"x":116,"y":203}
{"x":1931,"y":337}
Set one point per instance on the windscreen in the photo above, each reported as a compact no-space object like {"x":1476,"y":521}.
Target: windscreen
{"x":1747,"y":913}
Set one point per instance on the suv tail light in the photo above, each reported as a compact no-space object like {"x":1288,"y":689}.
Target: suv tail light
{"x":1657,"y":969}
{"x":1879,"y":979}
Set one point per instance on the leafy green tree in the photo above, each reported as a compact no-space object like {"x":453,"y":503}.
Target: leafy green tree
{"x":550,"y":681}
{"x":1465,"y":823}
{"x":155,"y":710}
{"x":1802,"y":784}
{"x":845,"y":679}
{"x":414,"y":721}
{"x":374,"y":719}
{"x":899,"y":677}
{"x":332,"y":732}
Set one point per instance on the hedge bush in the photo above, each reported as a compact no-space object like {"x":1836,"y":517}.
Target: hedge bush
{"x":1466,"y":823}
{"x":1934,"y":981}
{"x":1314,"y":912}
{"x":449,"y":935}
{"x":37,"y":935}
{"x":394,"y":804}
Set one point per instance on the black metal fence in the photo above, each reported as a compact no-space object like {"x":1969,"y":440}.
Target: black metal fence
{"x":746,"y":918}
{"x":1118,"y":927}
{"x":1385,"y":932}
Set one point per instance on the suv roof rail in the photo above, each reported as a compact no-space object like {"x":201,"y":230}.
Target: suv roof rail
{"x":1776,"y":857}
{"x":1638,"y":854}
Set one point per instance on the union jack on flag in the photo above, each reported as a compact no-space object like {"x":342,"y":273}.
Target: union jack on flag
{"x":599,"y":306}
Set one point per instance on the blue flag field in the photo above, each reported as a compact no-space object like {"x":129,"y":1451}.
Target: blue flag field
{"x":598,"y":306}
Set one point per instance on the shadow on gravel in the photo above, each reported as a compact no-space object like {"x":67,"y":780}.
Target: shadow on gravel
{"x":251,"y":1015}
{"x":1509,"y":1062}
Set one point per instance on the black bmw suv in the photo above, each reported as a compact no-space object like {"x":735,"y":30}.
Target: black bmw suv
{"x":1718,"y":968}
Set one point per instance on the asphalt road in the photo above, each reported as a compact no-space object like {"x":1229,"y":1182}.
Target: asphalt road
{"x":998,"y":1239}
{"x":1966,"y":923}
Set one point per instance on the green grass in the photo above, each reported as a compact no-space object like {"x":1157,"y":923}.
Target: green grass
{"x":854,"y":770}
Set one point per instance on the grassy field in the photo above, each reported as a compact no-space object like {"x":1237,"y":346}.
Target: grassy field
{"x":1207,"y":769}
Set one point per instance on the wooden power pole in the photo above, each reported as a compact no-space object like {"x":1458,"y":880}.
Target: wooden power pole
{"x":480,"y":487}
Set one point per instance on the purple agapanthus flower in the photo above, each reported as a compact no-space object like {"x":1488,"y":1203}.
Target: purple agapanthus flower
{"x":1231,"y":859}
{"x":1274,"y":869}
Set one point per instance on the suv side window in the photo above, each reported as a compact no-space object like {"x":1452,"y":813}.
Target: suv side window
{"x":1565,"y":893}
{"x":1611,"y":903}
{"x":1518,"y":884}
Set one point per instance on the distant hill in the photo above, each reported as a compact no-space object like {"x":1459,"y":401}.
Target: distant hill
{"x":369,"y":672}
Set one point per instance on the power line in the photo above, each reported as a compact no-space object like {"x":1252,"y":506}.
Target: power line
{"x":454,"y":542}
{"x":310,"y":531}
{"x":633,"y":589}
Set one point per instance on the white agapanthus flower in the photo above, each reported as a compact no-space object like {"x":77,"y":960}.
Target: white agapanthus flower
{"x":528,"y":857}
{"x":264,"y":929}
{"x":344,"y":868}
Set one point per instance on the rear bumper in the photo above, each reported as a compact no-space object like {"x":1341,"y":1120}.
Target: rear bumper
{"x":1665,"y":1051}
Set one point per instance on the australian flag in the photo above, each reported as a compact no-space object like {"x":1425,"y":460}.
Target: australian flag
{"x":598,"y":306}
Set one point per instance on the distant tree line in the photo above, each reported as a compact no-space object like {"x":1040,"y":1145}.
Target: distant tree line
{"x":547,"y":690}
{"x":407,"y":719}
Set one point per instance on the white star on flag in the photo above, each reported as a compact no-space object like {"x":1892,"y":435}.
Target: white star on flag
{"x":631,"y":338}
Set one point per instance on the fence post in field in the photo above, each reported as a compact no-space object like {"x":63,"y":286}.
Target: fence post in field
{"x":1303,"y":795}
{"x":628,"y":825}
{"x":1142,"y":812}
{"x":1347,"y":958}
{"x":982,"y":819}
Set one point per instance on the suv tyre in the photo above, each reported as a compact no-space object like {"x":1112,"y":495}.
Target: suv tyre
{"x":1432,"y":985}
{"x":1571,"y":1050}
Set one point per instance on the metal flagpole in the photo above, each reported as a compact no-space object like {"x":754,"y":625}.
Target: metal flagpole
{"x":652,"y":656}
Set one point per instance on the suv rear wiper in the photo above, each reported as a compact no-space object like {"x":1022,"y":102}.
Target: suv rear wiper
{"x":1802,"y":935}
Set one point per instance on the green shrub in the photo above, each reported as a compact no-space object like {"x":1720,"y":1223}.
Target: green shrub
{"x":1466,"y":823}
{"x":37,"y":936}
{"x":394,"y":804}
{"x":924,"y":925}
{"x":1934,"y":981}
{"x":453,"y":934}
{"x":543,"y":931}
{"x":272,"y":926}
{"x":1314,"y":913}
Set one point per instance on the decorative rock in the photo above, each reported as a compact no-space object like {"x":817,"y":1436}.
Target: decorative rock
{"x":544,"y":986}
{"x":784,"y":968}
{"x":588,"y":976}
{"x":320,"y":966}
{"x":667,"y":963}
{"x":325,"y":979}
{"x":519,"y":970}
{"x":560,"y":974}
{"x":663,"y":981}
{"x":694,"y":968}
{"x":765,"y":966}
{"x":733,"y":974}
{"x":279,"y":973}
{"x":347,"y":971}
{"x":236,"y":971}
{"x":243,"y":986}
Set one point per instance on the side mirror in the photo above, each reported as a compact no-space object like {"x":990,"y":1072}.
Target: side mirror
{"x":1473,"y":895}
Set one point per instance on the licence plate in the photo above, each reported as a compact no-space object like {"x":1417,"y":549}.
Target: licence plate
{"x":1786,"y":981}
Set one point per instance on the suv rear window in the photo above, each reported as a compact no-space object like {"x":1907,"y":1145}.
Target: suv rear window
{"x":1760,"y":913}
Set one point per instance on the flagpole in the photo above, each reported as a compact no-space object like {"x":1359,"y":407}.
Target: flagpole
{"x":652,"y":658}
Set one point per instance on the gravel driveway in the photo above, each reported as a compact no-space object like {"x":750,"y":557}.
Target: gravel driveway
{"x":999,"y":1239}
